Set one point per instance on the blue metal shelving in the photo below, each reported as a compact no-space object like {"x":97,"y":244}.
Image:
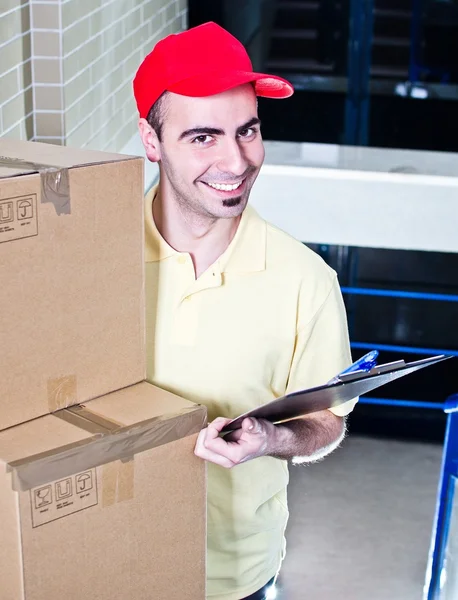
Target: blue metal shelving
{"x":439,"y":567}
{"x":357,"y":345}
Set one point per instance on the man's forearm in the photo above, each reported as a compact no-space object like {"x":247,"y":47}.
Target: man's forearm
{"x":308,"y":439}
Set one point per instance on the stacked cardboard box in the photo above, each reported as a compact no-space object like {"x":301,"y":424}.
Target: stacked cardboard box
{"x":101,"y":495}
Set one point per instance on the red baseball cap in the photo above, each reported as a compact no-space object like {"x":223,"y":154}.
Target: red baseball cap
{"x":201,"y":61}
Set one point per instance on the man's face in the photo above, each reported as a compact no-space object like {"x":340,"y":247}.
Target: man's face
{"x":211,"y":151}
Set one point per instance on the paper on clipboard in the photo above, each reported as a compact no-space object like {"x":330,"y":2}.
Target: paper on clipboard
{"x":332,"y":395}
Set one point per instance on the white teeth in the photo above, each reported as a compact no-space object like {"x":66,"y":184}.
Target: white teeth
{"x":224,"y":187}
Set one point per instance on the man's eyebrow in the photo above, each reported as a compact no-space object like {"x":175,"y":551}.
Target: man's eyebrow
{"x":251,"y":123}
{"x":195,"y":131}
{"x":202,"y":130}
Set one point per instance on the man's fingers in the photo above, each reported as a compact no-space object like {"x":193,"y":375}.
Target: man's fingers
{"x":249,"y":426}
{"x":213,"y":432}
{"x":216,"y":459}
{"x":219,"y":423}
{"x":206,"y":454}
{"x":237,"y":447}
{"x":215,"y":449}
{"x":234,"y":436}
{"x":236,"y":450}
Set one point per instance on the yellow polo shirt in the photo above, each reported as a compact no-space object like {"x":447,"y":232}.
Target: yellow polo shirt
{"x":267,"y":318}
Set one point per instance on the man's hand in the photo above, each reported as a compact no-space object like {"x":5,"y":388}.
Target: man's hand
{"x":256,"y":437}
{"x":303,"y":440}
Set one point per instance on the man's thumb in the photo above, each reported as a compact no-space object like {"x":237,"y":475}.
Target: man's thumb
{"x":251,"y":425}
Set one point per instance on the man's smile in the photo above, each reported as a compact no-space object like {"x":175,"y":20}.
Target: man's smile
{"x":225,"y":187}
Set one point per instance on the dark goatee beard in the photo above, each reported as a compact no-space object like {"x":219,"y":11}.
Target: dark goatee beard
{"x":232,"y":202}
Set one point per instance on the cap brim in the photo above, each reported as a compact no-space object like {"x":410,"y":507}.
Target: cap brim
{"x":209,"y":84}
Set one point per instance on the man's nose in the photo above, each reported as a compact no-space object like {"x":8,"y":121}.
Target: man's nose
{"x":232,"y":159}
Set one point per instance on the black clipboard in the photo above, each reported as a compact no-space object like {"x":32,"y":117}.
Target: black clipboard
{"x":342,"y":389}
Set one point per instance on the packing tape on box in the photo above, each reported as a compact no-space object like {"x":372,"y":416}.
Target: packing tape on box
{"x":117,"y":477}
{"x":62,"y":392}
{"x":104,"y":446}
{"x":117,"y":482}
{"x":88,"y":420}
{"x":55,"y":182}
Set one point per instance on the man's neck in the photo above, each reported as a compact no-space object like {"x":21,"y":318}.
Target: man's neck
{"x":204,"y":238}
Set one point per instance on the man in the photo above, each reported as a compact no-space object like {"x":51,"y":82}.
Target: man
{"x":238,"y":312}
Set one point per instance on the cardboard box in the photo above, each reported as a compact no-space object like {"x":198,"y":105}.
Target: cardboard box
{"x":105,"y":501}
{"x":71,"y":293}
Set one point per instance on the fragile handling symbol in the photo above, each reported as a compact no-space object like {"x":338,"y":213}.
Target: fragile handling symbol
{"x":43,"y":496}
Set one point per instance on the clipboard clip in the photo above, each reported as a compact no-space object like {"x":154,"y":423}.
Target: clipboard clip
{"x":375,"y":370}
{"x":360,"y":367}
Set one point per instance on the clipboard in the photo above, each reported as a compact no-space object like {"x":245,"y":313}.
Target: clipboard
{"x":343,"y":388}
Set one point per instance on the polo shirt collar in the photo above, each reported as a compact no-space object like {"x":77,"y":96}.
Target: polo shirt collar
{"x":246,"y":253}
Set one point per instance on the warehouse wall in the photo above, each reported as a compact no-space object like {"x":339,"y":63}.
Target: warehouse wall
{"x":102,"y":49}
{"x":81,"y":57}
{"x":16,"y":102}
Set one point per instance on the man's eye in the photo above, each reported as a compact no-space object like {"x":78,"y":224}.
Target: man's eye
{"x":248,"y":132}
{"x":202,"y":139}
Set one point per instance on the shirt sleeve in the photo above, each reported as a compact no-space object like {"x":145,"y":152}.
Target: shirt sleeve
{"x":322,"y":348}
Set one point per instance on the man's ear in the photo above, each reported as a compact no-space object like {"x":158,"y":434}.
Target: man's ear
{"x":150,"y":141}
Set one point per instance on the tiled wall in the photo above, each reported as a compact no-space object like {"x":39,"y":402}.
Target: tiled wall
{"x":102,"y":48}
{"x":84,"y":57}
{"x":49,"y":108}
{"x":16,"y":106}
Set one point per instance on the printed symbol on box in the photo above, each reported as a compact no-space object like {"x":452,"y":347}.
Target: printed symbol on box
{"x":64,"y":489}
{"x":84,"y":482}
{"x":6,"y":212}
{"x":43,"y":496}
{"x":24,"y":210}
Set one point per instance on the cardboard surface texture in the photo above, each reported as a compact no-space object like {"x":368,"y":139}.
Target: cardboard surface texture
{"x":71,"y":266}
{"x":126,"y":522}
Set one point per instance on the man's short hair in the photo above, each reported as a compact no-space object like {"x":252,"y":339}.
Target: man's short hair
{"x":157,"y":114}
